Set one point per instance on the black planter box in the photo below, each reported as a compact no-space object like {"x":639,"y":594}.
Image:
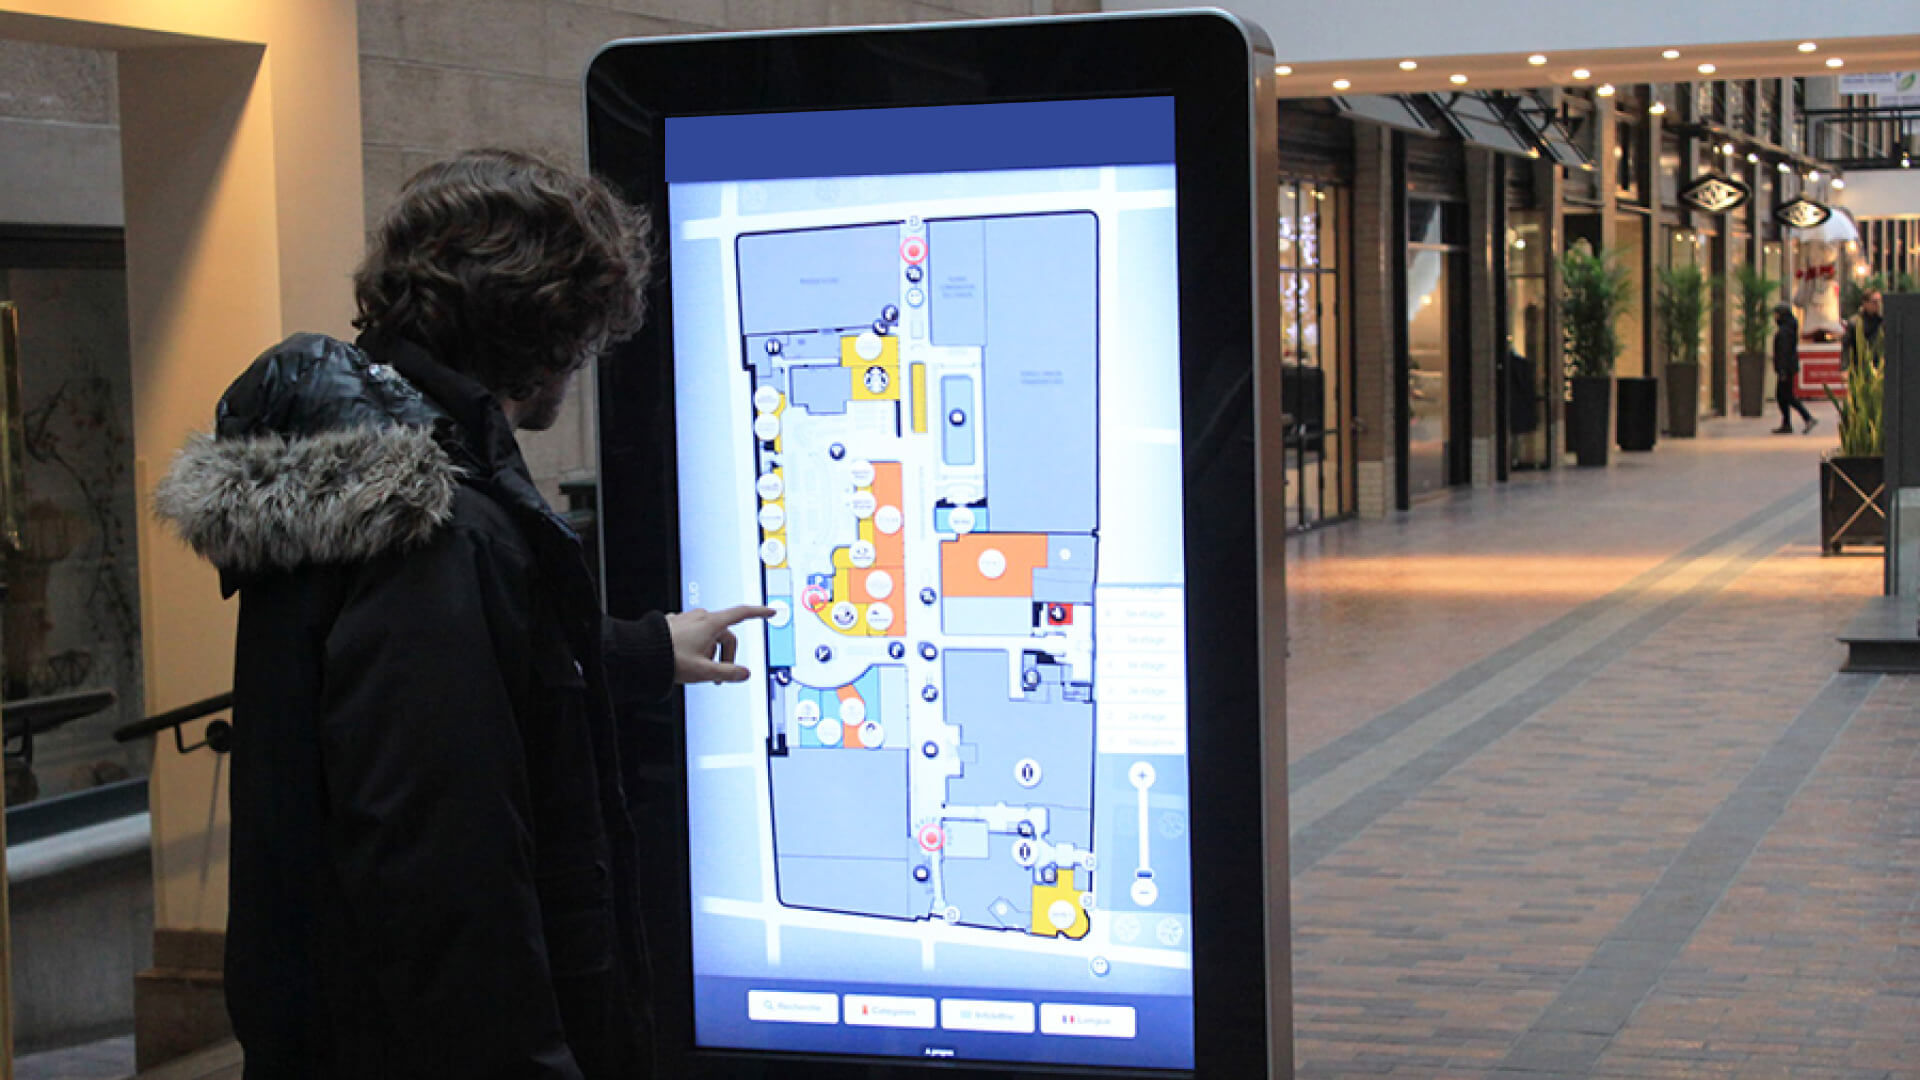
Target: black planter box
{"x":1590,"y":418}
{"x":1753,"y":383}
{"x":1639,"y":423}
{"x":1683,"y":400}
{"x":1853,"y":501}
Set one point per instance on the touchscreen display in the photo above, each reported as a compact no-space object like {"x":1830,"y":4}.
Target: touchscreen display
{"x":926,"y":368}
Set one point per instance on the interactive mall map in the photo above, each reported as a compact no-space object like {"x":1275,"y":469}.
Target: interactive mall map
{"x":932,"y":420}
{"x":930,"y":536}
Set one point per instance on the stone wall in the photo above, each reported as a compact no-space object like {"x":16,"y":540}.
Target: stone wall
{"x":59,"y":136}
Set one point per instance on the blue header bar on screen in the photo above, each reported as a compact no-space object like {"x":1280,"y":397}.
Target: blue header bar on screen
{"x":925,"y":139}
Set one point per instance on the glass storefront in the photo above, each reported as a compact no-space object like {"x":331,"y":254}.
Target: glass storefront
{"x":1529,"y":353}
{"x":1630,"y":249}
{"x":1313,"y":385}
{"x":1436,"y":291}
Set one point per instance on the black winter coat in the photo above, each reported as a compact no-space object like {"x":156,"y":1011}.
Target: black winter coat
{"x":433,"y":866}
{"x":1786,"y":348}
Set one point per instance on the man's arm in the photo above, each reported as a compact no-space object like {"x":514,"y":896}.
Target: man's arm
{"x":647,"y":657}
{"x":430,"y":830}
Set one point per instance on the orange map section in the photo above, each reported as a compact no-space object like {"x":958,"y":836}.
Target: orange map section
{"x":960,"y":573}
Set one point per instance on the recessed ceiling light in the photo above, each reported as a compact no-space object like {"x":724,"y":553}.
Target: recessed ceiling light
{"x":1808,"y":46}
{"x":1282,"y":69}
{"x":1727,"y":149}
{"x":1707,"y":69}
{"x":1409,"y":65}
{"x":1537,"y":59}
{"x":1785,"y":168}
{"x":1457,"y":79}
{"x":1658,"y":108}
{"x":1839,"y":184}
{"x":1670,"y":54}
{"x":1753,"y":159}
{"x":1813,"y":176}
{"x":1582,"y":73}
{"x":1605,"y":90}
{"x":1834,"y":62}
{"x":1341,"y":84}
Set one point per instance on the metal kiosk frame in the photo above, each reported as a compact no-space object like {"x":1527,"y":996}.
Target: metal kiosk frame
{"x":1220,"y":73}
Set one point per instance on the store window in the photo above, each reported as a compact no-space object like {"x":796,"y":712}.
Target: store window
{"x":1627,"y":161}
{"x":72,"y":662}
{"x":1529,"y":417}
{"x":1689,"y":247}
{"x":1436,"y":345}
{"x":1313,"y":383}
{"x":1629,"y":243}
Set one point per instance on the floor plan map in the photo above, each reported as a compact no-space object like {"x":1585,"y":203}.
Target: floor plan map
{"x":925,"y":430}
{"x":933,"y":420}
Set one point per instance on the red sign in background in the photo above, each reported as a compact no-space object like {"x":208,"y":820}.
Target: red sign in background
{"x":1819,"y":368}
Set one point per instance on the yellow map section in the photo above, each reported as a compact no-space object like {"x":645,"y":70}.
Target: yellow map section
{"x":877,"y":379}
{"x":1060,"y":892}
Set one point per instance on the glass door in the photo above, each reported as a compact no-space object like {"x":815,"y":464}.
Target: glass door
{"x":1312,"y":373}
{"x":1529,"y":419}
{"x":1436,"y":323}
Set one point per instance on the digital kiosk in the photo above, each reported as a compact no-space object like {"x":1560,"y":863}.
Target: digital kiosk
{"x":959,"y":359}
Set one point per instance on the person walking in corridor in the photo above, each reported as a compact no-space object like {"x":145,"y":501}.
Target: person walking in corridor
{"x":434,"y":870}
{"x":1786,"y":368}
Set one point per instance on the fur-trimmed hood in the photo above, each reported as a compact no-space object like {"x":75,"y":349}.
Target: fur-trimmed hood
{"x":319,"y":455}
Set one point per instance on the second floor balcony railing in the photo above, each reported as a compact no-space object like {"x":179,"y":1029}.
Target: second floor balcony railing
{"x":1880,"y":137}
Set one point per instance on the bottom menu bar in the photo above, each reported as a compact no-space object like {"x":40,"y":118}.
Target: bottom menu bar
{"x":953,"y":1014}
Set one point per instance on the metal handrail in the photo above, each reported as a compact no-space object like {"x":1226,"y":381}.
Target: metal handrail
{"x":218,"y":736}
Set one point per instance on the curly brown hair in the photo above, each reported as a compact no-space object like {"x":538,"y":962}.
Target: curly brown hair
{"x":506,"y":267}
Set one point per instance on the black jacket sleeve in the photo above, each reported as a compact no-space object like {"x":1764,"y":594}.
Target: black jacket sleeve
{"x":639,"y":655}
{"x":430,"y":829}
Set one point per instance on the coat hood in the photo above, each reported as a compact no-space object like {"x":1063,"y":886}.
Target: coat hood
{"x":319,"y":454}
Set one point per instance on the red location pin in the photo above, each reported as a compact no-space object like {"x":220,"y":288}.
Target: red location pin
{"x":913,"y":249}
{"x":932,"y":837}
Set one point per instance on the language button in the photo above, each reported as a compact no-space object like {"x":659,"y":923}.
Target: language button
{"x":1092,"y":1021}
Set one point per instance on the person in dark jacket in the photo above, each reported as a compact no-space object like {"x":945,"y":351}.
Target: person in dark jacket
{"x":433,"y":865}
{"x":1786,"y":368}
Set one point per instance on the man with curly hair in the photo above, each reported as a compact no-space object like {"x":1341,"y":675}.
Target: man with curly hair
{"x":433,"y":862}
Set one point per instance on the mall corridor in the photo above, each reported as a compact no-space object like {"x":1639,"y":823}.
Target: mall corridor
{"x":1577,"y":790}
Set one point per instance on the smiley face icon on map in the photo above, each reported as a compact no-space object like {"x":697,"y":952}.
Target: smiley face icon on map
{"x":844,"y":615}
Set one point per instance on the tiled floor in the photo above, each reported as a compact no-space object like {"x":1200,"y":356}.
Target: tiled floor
{"x":1577,"y":791}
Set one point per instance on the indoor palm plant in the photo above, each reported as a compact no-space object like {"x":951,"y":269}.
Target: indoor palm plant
{"x":1680,"y":303}
{"x":1853,"y":506}
{"x":1757,"y":295}
{"x":1594,"y":291}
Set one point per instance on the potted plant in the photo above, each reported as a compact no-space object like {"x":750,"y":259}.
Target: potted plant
{"x":1853,"y":502}
{"x":1680,"y":303}
{"x":1594,"y":292}
{"x":1757,"y":294}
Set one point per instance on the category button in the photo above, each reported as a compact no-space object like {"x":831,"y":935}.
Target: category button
{"x":785,"y":1007}
{"x":869,"y":1010}
{"x":1093,"y":1021}
{"x":1008,"y":1017}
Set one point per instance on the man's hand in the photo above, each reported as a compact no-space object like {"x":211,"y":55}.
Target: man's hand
{"x":703,"y":647}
